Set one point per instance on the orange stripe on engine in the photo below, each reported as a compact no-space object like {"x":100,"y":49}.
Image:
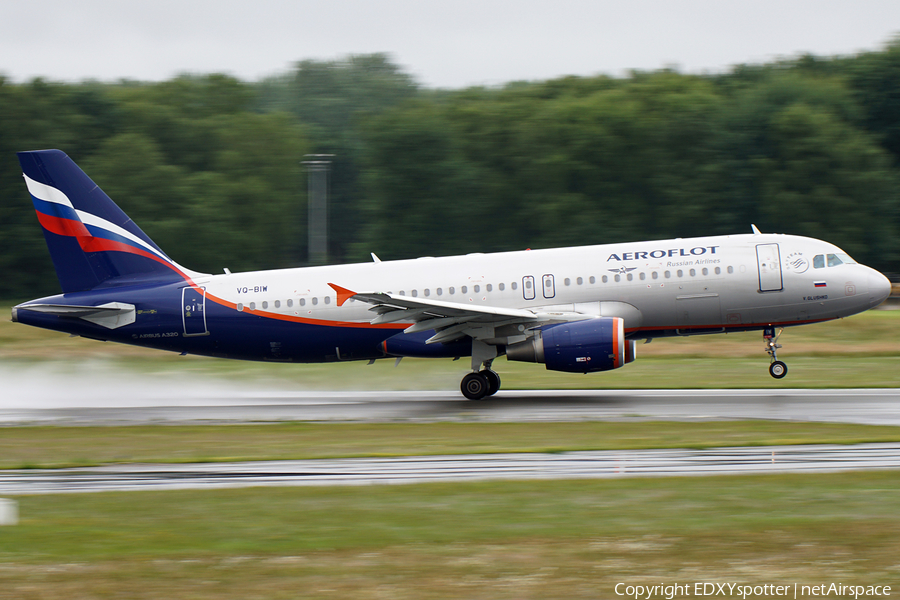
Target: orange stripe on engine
{"x":616,"y":342}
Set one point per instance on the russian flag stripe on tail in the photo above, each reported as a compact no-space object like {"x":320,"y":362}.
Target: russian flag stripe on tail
{"x":91,"y":240}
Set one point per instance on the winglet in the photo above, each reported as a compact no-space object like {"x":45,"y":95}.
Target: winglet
{"x":755,"y":230}
{"x":343,"y":294}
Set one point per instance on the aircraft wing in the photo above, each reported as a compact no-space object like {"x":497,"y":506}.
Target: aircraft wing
{"x":451,"y":320}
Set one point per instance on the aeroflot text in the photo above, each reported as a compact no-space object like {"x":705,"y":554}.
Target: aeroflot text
{"x":698,"y":251}
{"x":747,"y":591}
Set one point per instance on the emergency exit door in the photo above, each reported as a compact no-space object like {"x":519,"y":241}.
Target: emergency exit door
{"x":549,"y":286}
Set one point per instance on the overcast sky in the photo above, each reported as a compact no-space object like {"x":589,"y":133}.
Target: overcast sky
{"x":442,"y":44}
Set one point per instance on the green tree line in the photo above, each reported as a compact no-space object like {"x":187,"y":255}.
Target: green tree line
{"x":211,"y":167}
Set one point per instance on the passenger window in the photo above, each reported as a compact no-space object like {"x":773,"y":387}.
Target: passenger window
{"x":592,"y":279}
{"x":833,"y":260}
{"x":819,"y":261}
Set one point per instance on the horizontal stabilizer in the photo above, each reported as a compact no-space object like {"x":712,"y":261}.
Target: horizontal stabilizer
{"x":111,"y":315}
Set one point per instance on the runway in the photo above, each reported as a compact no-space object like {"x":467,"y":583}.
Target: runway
{"x":179,"y":402}
{"x":423,"y":469}
{"x":153,"y":402}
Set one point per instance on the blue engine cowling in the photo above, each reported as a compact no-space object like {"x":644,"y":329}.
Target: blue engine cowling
{"x":578,"y":347}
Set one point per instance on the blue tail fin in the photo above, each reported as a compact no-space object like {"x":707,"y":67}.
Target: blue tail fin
{"x":91,"y":241}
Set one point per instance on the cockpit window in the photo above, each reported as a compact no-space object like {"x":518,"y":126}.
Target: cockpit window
{"x":845,"y":259}
{"x":833,"y":260}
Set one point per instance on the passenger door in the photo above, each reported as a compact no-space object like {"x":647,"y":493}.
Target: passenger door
{"x":193,"y":311}
{"x":768,"y":258}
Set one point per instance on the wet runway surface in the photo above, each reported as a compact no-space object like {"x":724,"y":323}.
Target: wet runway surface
{"x":369,"y":471}
{"x":186,"y":404}
{"x":176,"y":403}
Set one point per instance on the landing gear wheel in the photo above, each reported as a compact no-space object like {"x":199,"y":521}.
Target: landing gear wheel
{"x":493,"y":381}
{"x":778,"y":369}
{"x":475,"y":386}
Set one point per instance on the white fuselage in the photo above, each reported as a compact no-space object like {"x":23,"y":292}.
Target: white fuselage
{"x":666,"y":287}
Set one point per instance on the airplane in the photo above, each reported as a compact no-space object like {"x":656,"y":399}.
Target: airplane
{"x":576,"y":309}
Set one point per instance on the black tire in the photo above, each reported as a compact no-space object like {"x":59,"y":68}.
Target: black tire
{"x":778,"y":369}
{"x":493,"y":381}
{"x":474,"y":386}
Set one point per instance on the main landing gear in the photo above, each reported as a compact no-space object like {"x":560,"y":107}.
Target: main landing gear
{"x":777,"y":369}
{"x":480,"y":384}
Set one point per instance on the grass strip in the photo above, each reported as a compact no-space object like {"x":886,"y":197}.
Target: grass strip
{"x":536,"y":539}
{"x":54,"y":446}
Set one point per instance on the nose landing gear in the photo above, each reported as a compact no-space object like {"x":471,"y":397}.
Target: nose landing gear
{"x":777,"y":369}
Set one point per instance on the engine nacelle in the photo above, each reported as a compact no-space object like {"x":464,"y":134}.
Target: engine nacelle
{"x":578,"y":347}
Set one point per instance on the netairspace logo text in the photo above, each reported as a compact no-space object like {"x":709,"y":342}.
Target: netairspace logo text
{"x":739,"y":590}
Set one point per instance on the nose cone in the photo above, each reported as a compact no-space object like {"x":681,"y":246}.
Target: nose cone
{"x":879,"y":288}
